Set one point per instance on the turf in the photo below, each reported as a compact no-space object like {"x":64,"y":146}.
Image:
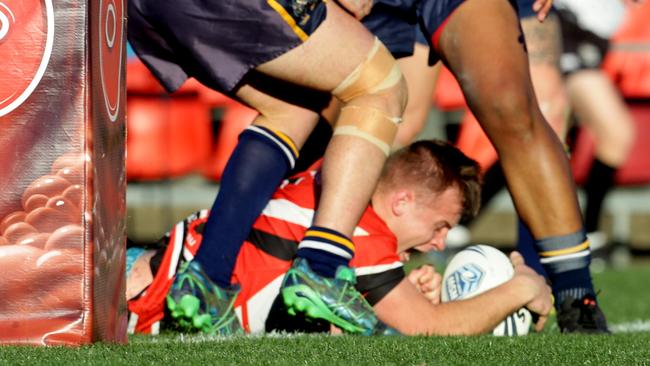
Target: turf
{"x":624,"y":297}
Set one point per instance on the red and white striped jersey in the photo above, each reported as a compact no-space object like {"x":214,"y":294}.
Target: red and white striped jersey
{"x":267,"y":253}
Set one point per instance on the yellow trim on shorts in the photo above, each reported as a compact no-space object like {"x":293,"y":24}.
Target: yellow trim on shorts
{"x":335,"y":238}
{"x":287,"y":140}
{"x":577,"y":248}
{"x":287,"y":18}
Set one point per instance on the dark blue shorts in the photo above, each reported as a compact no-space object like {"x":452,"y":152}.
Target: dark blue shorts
{"x":217,"y":42}
{"x":525,"y":8}
{"x":400,"y":23}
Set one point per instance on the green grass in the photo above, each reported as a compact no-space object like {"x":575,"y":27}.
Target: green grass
{"x":624,"y":297}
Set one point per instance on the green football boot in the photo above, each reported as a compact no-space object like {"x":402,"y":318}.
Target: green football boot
{"x":196,"y":304}
{"x":332,"y":299}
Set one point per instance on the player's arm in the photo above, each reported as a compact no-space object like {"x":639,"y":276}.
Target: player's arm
{"x":408,"y":311}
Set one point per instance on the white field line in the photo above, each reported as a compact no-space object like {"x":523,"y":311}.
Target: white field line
{"x":635,"y":326}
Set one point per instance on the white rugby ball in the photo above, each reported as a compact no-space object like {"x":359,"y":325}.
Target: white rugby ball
{"x":477,"y":269}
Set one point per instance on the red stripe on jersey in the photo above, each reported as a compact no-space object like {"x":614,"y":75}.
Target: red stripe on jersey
{"x":254,"y":268}
{"x":150,"y":306}
{"x":279,"y":227}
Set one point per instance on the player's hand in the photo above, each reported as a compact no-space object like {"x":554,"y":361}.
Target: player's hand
{"x":542,"y":8}
{"x":358,"y":8}
{"x":428,"y":282}
{"x":541,"y":302}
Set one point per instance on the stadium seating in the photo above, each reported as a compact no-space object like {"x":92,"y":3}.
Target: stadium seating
{"x":236,"y":118}
{"x":167,"y":137}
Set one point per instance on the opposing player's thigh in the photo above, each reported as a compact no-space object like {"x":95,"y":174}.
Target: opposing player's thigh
{"x":473,"y":54}
{"x":486,"y":62}
{"x":295,"y":121}
{"x":330,"y":54}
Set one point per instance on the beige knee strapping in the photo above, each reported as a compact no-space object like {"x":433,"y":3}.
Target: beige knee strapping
{"x":377,"y":73}
{"x":368,"y":123}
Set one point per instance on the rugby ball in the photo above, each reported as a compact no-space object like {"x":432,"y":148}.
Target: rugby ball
{"x":477,"y":269}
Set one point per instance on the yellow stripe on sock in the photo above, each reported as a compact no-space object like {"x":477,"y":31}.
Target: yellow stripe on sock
{"x":288,"y":141}
{"x":335,"y":238}
{"x":575,"y":249}
{"x":287,"y":18}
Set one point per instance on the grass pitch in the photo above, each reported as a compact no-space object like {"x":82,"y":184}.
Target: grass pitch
{"x":625,"y":298}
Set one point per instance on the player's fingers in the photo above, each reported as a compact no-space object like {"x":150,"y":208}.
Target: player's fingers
{"x":367,"y":8}
{"x":542,"y":7}
{"x":358,"y":8}
{"x":434,"y":296}
{"x":436,"y":282}
{"x":437,"y":279}
{"x":427,"y":274}
{"x":414,"y":276}
{"x":516,"y":259}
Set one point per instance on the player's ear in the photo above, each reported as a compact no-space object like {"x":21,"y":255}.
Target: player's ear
{"x":402,"y":200}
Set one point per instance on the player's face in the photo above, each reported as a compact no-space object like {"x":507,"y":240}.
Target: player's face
{"x":425,"y":224}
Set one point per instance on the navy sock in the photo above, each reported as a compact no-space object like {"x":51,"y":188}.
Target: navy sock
{"x":566,"y":262}
{"x":526,"y":247}
{"x":260,"y":161}
{"x":325,"y":250}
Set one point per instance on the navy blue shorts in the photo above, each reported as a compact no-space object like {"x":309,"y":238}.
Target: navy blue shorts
{"x":395,"y":24}
{"x":217,"y":42}
{"x":400,"y":23}
{"x":525,"y":8}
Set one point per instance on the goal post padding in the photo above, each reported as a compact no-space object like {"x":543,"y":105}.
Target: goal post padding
{"x":62,"y":171}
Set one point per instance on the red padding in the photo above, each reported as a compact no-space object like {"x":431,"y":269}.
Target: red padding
{"x":236,"y":118}
{"x":636,"y":170}
{"x":166,"y":137}
{"x":448,"y":95}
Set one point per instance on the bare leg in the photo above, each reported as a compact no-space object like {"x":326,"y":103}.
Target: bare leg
{"x":602,"y":110}
{"x":421,"y":79}
{"x":352,"y":165}
{"x":267,"y":151}
{"x":532,"y":156}
{"x":499,"y":92}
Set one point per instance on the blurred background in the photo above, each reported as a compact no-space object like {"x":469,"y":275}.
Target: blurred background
{"x":178,"y":144}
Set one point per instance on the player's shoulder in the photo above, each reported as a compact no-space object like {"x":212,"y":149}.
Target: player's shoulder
{"x":374,"y":243}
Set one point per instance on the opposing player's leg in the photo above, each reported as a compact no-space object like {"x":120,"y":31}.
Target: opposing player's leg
{"x":267,"y":150}
{"x":499,"y":92}
{"x":366,"y":78}
{"x":421,"y":79}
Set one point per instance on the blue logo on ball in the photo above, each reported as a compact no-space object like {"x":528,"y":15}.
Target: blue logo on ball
{"x":464,"y":281}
